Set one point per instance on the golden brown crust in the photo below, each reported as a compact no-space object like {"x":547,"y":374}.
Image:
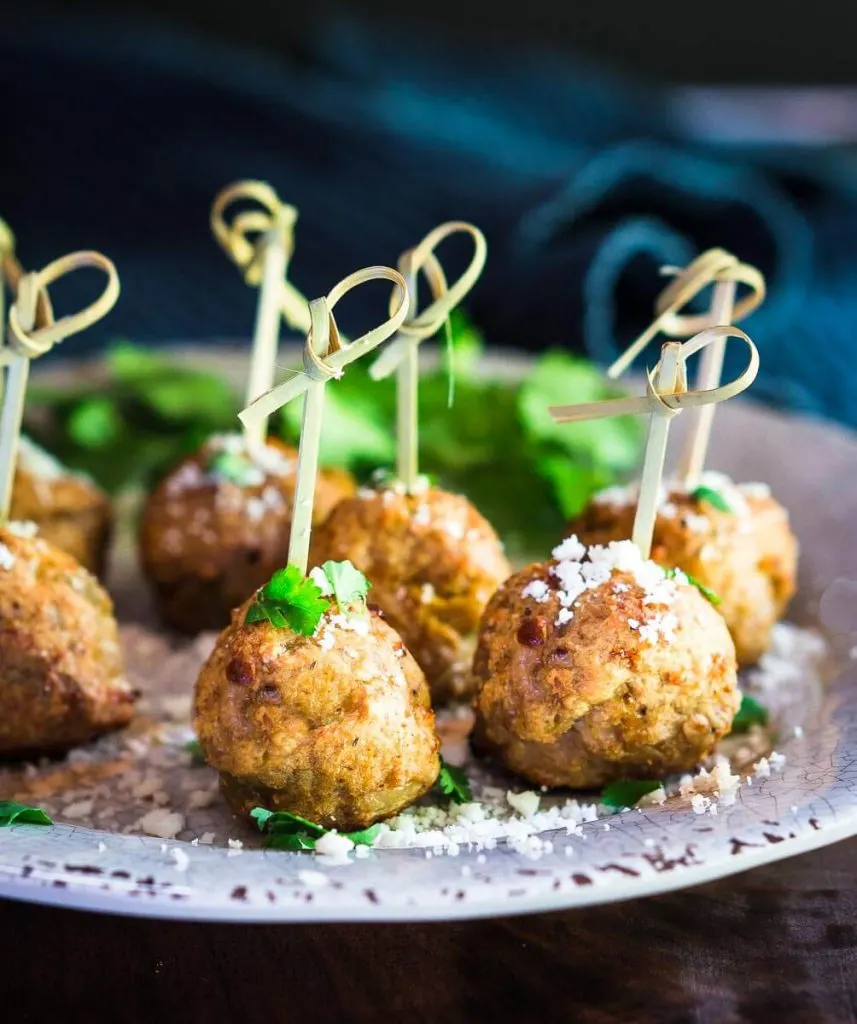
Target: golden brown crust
{"x":433,"y":562}
{"x":61,"y":679}
{"x":749,"y":560}
{"x":207,"y":544}
{"x":338,"y":730}
{"x":70,"y":511}
{"x":591,"y":701}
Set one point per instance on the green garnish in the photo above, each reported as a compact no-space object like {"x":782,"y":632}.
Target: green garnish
{"x":150,"y":410}
{"x":287,"y":831}
{"x":289,"y":601}
{"x":627,"y":793}
{"x":706,"y":592}
{"x":452,"y":782}
{"x":749,"y":714}
{"x":234,"y":467}
{"x":12,"y":813}
{"x":342,"y":582}
{"x":194,"y":748}
{"x":714,"y":498}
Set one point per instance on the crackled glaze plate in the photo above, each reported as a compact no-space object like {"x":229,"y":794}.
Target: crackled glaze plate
{"x":95,"y":857}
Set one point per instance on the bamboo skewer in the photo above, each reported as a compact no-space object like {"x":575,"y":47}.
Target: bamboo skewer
{"x":725,"y":272}
{"x":402,"y":354}
{"x":27,"y":340}
{"x":326,"y":354}
{"x":666,"y":396}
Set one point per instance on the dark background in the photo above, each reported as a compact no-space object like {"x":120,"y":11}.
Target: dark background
{"x":736,"y":41}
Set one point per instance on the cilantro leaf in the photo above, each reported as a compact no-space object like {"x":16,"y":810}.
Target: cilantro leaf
{"x":287,"y":831}
{"x":194,"y":748}
{"x":749,"y":714}
{"x":453,"y":783}
{"x":12,"y":813}
{"x":234,"y":467}
{"x":707,"y":592}
{"x":341,"y":581}
{"x":94,"y":423}
{"x":627,"y":793}
{"x":289,"y":601}
{"x":712,"y":497}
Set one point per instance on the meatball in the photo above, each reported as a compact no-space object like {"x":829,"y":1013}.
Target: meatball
{"x":61,"y":680}
{"x":433,"y":562}
{"x":336,"y":727}
{"x":595,"y":667}
{"x":747,"y":555}
{"x":217,"y":527}
{"x":70,"y":510}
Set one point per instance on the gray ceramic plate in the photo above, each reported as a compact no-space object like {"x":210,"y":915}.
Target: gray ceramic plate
{"x":810,"y":802}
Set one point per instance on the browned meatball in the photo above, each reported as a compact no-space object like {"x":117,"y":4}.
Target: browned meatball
{"x":594,"y":667}
{"x":217,"y":527}
{"x":336,"y":727}
{"x":71,"y":511}
{"x":433,"y":562}
{"x":61,"y":679}
{"x":747,"y":556}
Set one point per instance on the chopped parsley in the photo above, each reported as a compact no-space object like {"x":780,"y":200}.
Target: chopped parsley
{"x":12,"y":813}
{"x":342,"y":582}
{"x":287,"y":831}
{"x":627,"y":793}
{"x":452,"y":782}
{"x":749,"y":714}
{"x":194,"y":748}
{"x":289,"y":601}
{"x":233,"y":466}
{"x":712,"y":497}
{"x":707,"y":592}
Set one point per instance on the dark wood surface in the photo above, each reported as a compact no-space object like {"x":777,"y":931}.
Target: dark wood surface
{"x":777,"y":944}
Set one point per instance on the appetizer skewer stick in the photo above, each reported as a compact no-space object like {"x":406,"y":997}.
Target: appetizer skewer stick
{"x":11,"y":273}
{"x":666,"y":396}
{"x":725,"y":272}
{"x":325,"y":357}
{"x":27,"y":341}
{"x":402,"y":355}
{"x":264,"y":262}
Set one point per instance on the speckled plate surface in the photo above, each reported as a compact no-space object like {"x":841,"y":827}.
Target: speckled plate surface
{"x":809,"y":802}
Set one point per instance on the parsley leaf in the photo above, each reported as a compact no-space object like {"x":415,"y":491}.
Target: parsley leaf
{"x":289,"y":601}
{"x":749,"y":714}
{"x":341,"y":581}
{"x":234,"y":467}
{"x":12,"y":813}
{"x":287,"y":831}
{"x":714,"y":498}
{"x":627,"y":793}
{"x":707,"y":592}
{"x":453,"y":783}
{"x":194,"y":748}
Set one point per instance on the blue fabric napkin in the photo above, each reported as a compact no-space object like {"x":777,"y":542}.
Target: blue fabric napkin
{"x":117,"y":135}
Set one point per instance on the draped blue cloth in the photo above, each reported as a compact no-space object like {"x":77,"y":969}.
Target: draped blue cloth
{"x":116,"y":136}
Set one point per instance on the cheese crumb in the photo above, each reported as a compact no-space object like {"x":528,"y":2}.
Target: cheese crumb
{"x":538,"y":590}
{"x":334,"y":846}
{"x":161,"y":823}
{"x":526,"y":803}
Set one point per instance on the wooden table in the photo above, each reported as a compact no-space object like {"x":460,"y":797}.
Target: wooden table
{"x":778,"y":944}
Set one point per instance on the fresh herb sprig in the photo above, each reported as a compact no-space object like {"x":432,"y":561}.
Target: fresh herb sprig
{"x":13,"y":813}
{"x":289,"y":601}
{"x":680,"y":575}
{"x":452,"y":782}
{"x":286,"y":831}
{"x":341,"y":581}
{"x":627,"y":793}
{"x":750,"y":713}
{"x":712,"y":497}
{"x":194,"y":748}
{"x":238,"y":469}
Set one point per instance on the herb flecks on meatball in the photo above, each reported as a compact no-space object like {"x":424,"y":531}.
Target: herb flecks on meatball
{"x":597,"y":666}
